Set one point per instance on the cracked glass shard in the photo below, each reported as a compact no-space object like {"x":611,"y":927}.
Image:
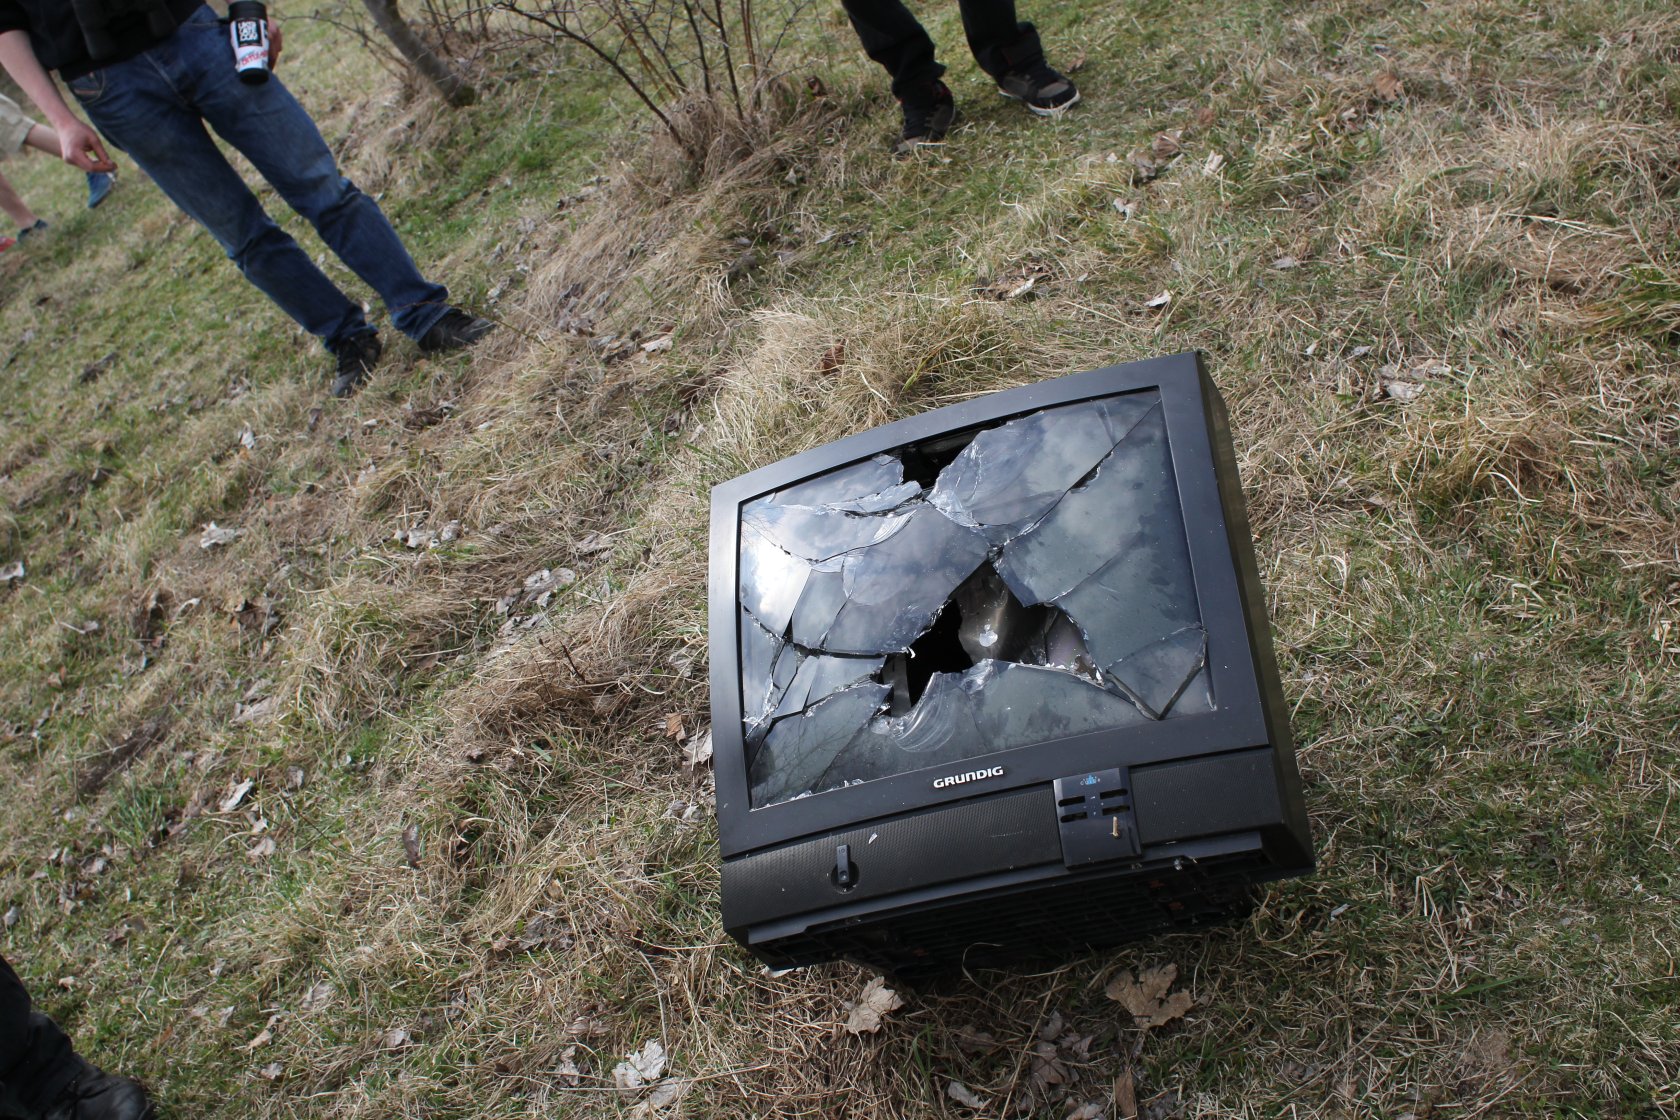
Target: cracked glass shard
{"x":871,"y":476}
{"x":759,"y":649}
{"x":894,"y":589}
{"x":1062,"y":646}
{"x":1016,"y":705}
{"x":941,"y":725}
{"x":1155,"y":675}
{"x":1010,"y":477}
{"x":1197,"y":697}
{"x":1144,"y":593}
{"x":800,"y":748}
{"x":1130,"y":501}
{"x":820,"y":533}
{"x":939,"y":729}
{"x":820,"y":676}
{"x":993,"y":623}
{"x":771,"y":581}
{"x":819,"y":603}
{"x":883,"y":501}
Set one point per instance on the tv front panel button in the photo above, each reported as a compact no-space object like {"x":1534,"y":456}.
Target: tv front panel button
{"x":1094,"y":813}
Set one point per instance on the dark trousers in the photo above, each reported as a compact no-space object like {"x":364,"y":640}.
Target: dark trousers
{"x":892,"y":37}
{"x":36,"y":1062}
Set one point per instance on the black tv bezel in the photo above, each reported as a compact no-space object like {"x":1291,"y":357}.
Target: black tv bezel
{"x":1190,"y":407}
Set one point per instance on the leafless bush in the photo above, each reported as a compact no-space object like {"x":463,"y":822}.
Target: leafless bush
{"x":677,"y":54}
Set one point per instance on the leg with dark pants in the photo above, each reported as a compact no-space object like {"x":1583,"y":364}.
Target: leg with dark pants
{"x":36,"y":1061}
{"x":894,"y":39}
{"x":169,"y":142}
{"x":266,"y":124}
{"x":155,"y":106}
{"x":1000,"y":43}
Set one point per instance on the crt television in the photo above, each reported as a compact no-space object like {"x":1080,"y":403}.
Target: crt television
{"x":995,"y":682}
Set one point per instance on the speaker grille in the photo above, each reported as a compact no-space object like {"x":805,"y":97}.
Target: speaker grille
{"x":1038,"y":921}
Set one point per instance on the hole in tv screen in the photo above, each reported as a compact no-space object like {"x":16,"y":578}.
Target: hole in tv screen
{"x":967,"y":594}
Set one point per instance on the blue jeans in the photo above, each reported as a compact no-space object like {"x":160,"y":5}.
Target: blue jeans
{"x":155,"y":105}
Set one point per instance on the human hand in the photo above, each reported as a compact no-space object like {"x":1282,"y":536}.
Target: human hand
{"x":273,"y":44}
{"x":81,"y":147}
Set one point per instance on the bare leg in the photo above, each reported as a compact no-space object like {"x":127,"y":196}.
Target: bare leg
{"x":22,"y":216}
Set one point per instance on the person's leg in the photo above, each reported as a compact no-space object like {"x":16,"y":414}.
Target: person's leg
{"x":266,"y":123}
{"x":14,"y":206}
{"x":1001,"y":44}
{"x":36,"y":1062}
{"x":893,"y":38}
{"x":137,"y":109}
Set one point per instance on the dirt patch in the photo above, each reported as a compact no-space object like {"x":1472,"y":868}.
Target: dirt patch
{"x":121,"y":754}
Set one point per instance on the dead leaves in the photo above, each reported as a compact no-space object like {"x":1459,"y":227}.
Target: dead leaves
{"x":1145,"y":995}
{"x":216,"y":536}
{"x":1388,"y":87}
{"x":641,"y":1068}
{"x":1017,"y":283}
{"x":874,"y":1004}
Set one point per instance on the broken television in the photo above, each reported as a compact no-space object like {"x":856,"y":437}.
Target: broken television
{"x":995,"y":683}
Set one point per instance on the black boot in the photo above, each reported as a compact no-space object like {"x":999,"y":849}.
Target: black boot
{"x":97,"y":1095}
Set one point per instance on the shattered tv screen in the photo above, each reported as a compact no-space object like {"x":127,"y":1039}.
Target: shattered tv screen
{"x":967,"y":594}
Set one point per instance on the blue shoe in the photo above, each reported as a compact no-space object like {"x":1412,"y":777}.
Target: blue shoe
{"x":99,"y":186}
{"x":26,"y":232}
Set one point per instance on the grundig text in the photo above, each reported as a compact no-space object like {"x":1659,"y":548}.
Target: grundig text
{"x":970,"y":776}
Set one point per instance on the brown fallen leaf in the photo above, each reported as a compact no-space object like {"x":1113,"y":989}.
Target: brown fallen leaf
{"x":1205,"y":116}
{"x":875,"y":1003}
{"x":1047,"y":1068}
{"x":698,"y":751}
{"x":1389,"y":87}
{"x":1090,"y":1110}
{"x":831,"y":359}
{"x":1167,"y":144}
{"x":411,"y":844}
{"x":264,"y":1036}
{"x":674,"y":727}
{"x":1145,"y":995}
{"x":1125,"y":1096}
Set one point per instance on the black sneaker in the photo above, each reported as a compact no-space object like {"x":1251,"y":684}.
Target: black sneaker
{"x":926,"y":118}
{"x":357,"y":355}
{"x":455,"y":330}
{"x":1044,"y":91}
{"x":97,"y":1095}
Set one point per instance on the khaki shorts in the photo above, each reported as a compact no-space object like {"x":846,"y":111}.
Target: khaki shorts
{"x":14,"y":127}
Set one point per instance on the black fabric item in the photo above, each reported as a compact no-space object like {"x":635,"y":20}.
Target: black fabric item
{"x":36,"y":1061}
{"x":892,"y":37}
{"x":103,"y":21}
{"x":59,"y":43}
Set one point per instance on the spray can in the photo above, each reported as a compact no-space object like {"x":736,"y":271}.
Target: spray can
{"x":248,"y":25}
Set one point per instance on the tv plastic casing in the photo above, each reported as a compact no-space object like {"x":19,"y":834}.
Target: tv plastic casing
{"x":987,"y":871}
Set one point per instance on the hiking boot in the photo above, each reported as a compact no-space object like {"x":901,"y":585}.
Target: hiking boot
{"x":26,"y":232}
{"x":96,"y":1095}
{"x":357,"y":355}
{"x":1040,"y":88}
{"x":457,"y":329}
{"x":927,"y":117}
{"x":99,"y":186}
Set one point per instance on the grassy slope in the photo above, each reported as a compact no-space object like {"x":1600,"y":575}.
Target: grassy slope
{"x":1475,"y":593}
